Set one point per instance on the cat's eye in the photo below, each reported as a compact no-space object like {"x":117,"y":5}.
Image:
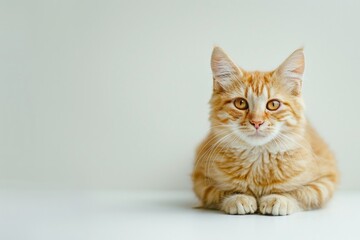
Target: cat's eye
{"x":241,"y":104}
{"x":273,"y":105}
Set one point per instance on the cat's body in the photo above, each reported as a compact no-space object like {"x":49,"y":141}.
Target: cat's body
{"x":261,"y":154}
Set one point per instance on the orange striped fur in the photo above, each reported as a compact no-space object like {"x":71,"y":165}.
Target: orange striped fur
{"x":283,"y":166}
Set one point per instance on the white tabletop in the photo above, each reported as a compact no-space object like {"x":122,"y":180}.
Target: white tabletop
{"x":121,"y":215}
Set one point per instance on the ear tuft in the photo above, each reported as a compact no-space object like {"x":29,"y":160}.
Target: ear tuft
{"x":291,"y":71}
{"x":223,"y":68}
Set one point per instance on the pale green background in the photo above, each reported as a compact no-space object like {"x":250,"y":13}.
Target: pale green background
{"x":113,"y":94}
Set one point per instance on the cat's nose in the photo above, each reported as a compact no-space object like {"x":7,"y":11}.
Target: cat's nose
{"x":256,"y":124}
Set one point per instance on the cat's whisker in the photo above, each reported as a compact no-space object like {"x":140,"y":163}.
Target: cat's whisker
{"x":305,"y":148}
{"x":201,"y":157}
{"x":210,"y":141}
{"x":211,"y":159}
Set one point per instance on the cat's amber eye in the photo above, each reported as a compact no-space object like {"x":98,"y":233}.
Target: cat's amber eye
{"x":241,"y":104}
{"x":273,"y":105}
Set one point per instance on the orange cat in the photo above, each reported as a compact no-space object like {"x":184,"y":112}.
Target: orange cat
{"x":261,"y":154}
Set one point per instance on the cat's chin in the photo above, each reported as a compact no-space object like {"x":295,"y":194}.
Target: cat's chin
{"x":257,"y":139}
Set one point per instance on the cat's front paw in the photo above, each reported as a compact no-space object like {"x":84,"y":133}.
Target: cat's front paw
{"x":239,"y":204}
{"x":276,"y":205}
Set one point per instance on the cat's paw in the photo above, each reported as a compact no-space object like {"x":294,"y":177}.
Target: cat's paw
{"x":278,"y":205}
{"x":239,"y":204}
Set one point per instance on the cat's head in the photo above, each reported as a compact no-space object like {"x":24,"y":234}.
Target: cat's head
{"x":258,"y":107}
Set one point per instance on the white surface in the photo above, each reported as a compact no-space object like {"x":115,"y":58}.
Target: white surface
{"x":161,"y":216}
{"x":113,"y":94}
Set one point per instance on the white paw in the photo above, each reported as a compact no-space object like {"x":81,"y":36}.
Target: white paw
{"x":239,"y":204}
{"x":278,"y":205}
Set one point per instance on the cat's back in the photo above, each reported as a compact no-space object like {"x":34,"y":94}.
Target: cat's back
{"x":324,"y":157}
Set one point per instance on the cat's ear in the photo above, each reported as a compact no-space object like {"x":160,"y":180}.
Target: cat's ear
{"x":223,"y":68}
{"x":291,"y":71}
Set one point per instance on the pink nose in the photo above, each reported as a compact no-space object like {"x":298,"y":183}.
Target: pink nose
{"x":256,"y":124}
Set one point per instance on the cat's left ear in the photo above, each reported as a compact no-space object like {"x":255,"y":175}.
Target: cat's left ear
{"x":291,"y":71}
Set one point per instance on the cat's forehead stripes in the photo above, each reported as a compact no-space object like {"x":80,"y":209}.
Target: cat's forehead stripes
{"x":257,"y":82}
{"x":257,"y":100}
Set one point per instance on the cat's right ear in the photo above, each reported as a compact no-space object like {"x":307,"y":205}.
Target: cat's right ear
{"x":223,"y":68}
{"x":291,"y":71}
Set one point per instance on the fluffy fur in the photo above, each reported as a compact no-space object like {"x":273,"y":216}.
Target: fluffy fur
{"x":256,"y":159}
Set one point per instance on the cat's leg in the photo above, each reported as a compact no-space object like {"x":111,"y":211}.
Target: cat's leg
{"x":278,"y":204}
{"x":239,"y":204}
{"x":208,"y":194}
{"x":227,"y":201}
{"x":231,"y":203}
{"x":310,"y":196}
